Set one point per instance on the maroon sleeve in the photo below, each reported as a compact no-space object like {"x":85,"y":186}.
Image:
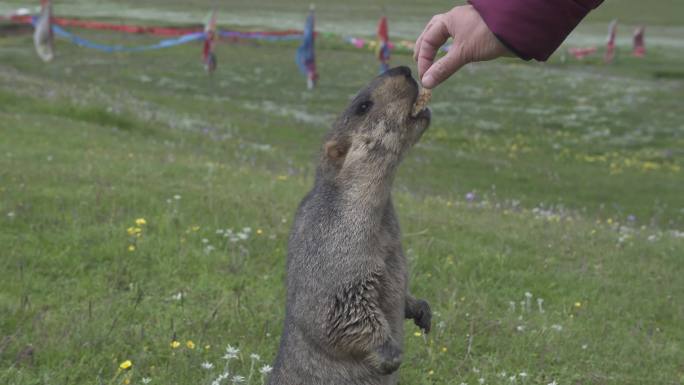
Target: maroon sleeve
{"x":533,"y":29}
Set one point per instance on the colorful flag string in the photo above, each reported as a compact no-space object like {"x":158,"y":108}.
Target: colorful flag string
{"x":59,"y":31}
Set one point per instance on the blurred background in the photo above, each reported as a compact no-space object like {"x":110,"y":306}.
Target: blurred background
{"x":145,"y":201}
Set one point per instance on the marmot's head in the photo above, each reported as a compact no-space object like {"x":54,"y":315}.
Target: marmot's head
{"x":377,"y":128}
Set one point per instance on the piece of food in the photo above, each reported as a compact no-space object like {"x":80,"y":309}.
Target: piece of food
{"x":422,"y":101}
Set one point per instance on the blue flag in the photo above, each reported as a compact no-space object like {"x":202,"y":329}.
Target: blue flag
{"x":306,"y":58}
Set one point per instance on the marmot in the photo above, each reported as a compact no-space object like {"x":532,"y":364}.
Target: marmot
{"x":347,"y":294}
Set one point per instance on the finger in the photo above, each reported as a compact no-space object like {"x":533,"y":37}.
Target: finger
{"x":416,"y":46}
{"x":444,"y":67}
{"x":432,"y":40}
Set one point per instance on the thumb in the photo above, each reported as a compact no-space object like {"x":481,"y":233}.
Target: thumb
{"x":444,"y":67}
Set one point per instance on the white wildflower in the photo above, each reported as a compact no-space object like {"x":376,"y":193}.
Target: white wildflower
{"x":523,"y":374}
{"x":520,"y":328}
{"x":146,"y":380}
{"x":231,"y":353}
{"x":178,"y":296}
{"x":207,"y":365}
{"x":177,"y":197}
{"x":222,"y":376}
{"x":255,"y":357}
{"x":540,"y":303}
{"x":11,"y":214}
{"x":237,"y":379}
{"x":247,"y":230}
{"x":557,"y":327}
{"x":205,"y":240}
{"x":553,"y":383}
{"x":481,"y":380}
{"x":265,"y":369}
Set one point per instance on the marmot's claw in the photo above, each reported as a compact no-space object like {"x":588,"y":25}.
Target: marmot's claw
{"x":388,"y":357}
{"x":423,"y":315}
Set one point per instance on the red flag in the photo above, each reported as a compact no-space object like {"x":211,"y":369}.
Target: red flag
{"x":639,"y":44}
{"x":208,"y":56}
{"x":383,"y":33}
{"x":383,"y":51}
{"x":610,"y":44}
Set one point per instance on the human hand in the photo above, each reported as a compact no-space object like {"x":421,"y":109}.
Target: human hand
{"x":473,"y":41}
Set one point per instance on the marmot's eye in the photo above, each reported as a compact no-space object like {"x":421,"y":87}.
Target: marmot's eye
{"x":364,"y":107}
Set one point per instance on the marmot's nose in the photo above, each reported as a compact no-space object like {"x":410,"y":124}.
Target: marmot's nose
{"x":399,"y":71}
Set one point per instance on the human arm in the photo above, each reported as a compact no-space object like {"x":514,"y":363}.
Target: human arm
{"x":488,"y":29}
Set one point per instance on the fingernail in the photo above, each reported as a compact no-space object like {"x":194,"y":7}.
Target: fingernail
{"x":428,"y":81}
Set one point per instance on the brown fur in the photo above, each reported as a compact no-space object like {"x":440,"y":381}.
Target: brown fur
{"x":347,"y":281}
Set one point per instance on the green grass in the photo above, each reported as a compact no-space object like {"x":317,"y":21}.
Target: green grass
{"x":558,"y":157}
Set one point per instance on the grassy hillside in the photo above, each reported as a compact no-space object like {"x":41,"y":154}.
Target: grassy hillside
{"x":563,"y":264}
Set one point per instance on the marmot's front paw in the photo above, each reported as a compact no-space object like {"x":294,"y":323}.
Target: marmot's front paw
{"x":422,"y":315}
{"x":387,"y":357}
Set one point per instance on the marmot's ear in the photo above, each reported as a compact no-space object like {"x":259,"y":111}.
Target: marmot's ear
{"x":336,"y":149}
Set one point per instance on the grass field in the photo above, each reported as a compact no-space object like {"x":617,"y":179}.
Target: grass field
{"x":543,"y":212}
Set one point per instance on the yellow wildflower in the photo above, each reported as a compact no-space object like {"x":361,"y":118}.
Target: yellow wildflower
{"x":646,"y":166}
{"x":195,"y":228}
{"x":207,"y":347}
{"x":137,"y":231}
{"x":417,"y":334}
{"x":126,"y":364}
{"x":578,"y":304}
{"x":140,"y":222}
{"x":259,"y":232}
{"x":281,"y":177}
{"x":190,"y":344}
{"x":131,"y":248}
{"x":175,"y":344}
{"x":431,"y":372}
{"x":127,"y":381}
{"x":444,"y":349}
